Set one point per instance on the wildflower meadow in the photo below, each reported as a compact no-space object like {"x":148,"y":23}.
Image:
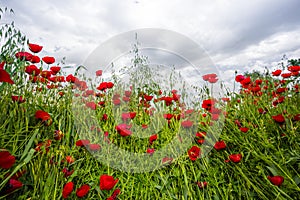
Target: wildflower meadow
{"x":65,"y":136}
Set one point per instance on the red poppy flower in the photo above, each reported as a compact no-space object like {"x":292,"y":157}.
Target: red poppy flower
{"x":130,"y":115}
{"x":168,"y":116}
{"x":67,"y":190}
{"x":44,"y":116}
{"x":110,"y":85}
{"x":148,"y":97}
{"x":150,"y":151}
{"x":208,"y":77}
{"x":194,"y":153}
{"x":12,"y":185}
{"x":276,"y":180}
{"x":82,"y":191}
{"x":35,"y":48}
{"x":114,"y":194}
{"x":168,"y":100}
{"x":81,"y":143}
{"x":202,"y":185}
{"x":71,"y":78}
{"x":24,"y":56}
{"x":152,"y":138}
{"x":5,"y":77}
{"x":107,"y":182}
{"x":276,"y":72}
{"x":94,"y":147}
{"x":296,"y":117}
{"x":187,"y":124}
{"x":278,"y":118}
{"x":32,"y":70}
{"x":244,"y":129}
{"x":220,"y":145}
{"x":2,"y":64}
{"x":246,"y":81}
{"x":99,"y":72}
{"x":35,"y":59}
{"x":6,"y":160}
{"x":55,"y":69}
{"x":48,"y":59}
{"x":70,"y":159}
{"x":235,"y":157}
{"x":207,"y":104}
{"x":239,"y":78}
{"x":123,"y":130}
{"x":18,"y":99}
{"x":102,"y":86}
{"x":294,"y":68}
{"x":286,"y":75}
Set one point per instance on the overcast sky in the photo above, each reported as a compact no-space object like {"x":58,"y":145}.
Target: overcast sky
{"x":236,"y":34}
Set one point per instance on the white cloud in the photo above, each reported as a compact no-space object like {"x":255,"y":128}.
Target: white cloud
{"x":234,"y":33}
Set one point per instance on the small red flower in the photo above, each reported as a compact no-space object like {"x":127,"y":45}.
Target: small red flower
{"x":220,"y":145}
{"x":32,"y":70}
{"x":71,"y":78}
{"x":286,"y":75}
{"x":35,"y":48}
{"x":44,"y":116}
{"x":239,"y":78}
{"x":122,"y":129}
{"x":235,"y":157}
{"x":49,"y":60}
{"x":13,"y":184}
{"x":35,"y":59}
{"x":99,"y":72}
{"x":244,"y":129}
{"x":278,"y":118}
{"x":5,"y":77}
{"x":148,"y":97}
{"x":6,"y":159}
{"x":55,"y":69}
{"x":82,"y":191}
{"x":194,"y":153}
{"x":276,"y":180}
{"x":276,"y":72}
{"x":150,"y":151}
{"x":67,"y":190}
{"x":107,"y":182}
{"x":202,"y":185}
{"x":187,"y":124}
{"x":70,"y":159}
{"x":81,"y":143}
{"x":152,"y":138}
{"x":94,"y":147}
{"x":114,"y":194}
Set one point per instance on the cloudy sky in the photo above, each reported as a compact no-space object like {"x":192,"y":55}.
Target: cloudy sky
{"x":235,"y":34}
